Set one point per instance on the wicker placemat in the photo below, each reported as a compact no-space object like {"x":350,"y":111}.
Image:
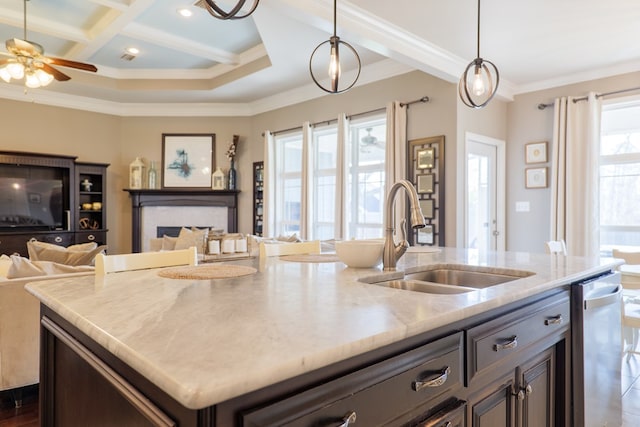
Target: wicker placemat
{"x":204,"y":272}
{"x":311,"y":258}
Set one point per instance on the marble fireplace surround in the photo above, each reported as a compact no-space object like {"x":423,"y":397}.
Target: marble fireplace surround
{"x":183,"y":205}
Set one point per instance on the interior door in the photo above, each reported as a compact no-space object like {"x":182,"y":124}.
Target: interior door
{"x":484,"y":203}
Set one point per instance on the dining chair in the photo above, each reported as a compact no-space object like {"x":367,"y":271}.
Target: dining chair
{"x":277,"y":249}
{"x":556,"y":247}
{"x":630,"y":280}
{"x":139,"y":261}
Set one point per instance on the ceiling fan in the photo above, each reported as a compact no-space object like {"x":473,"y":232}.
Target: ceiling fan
{"x":369,"y":140}
{"x":26,"y":59}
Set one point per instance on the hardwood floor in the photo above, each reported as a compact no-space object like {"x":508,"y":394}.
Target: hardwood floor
{"x":27,"y":414}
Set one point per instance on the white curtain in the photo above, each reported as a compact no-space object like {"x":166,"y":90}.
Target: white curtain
{"x":575,"y":175}
{"x":342,"y":163}
{"x":268,"y":213}
{"x":305,"y":191}
{"x":396,"y":154}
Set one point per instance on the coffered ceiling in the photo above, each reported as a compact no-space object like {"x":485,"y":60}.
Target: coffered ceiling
{"x":203,"y":66}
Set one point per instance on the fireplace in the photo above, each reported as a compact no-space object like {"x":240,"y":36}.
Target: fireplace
{"x":151,"y":209}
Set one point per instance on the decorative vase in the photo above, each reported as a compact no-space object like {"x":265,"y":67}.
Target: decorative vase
{"x":232,"y":176}
{"x":152,"y":180}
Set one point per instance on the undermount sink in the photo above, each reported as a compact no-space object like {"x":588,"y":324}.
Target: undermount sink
{"x":447,"y":278}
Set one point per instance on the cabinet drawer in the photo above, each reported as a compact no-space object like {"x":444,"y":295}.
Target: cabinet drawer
{"x":493,"y":341}
{"x":99,"y":237}
{"x":374,"y":395}
{"x":61,"y":239}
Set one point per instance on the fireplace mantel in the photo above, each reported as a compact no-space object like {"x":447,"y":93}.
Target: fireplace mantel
{"x":180,"y":197}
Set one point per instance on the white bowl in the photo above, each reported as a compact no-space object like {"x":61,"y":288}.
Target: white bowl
{"x":360,"y":253}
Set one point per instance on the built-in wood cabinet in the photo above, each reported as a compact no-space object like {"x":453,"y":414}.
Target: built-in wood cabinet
{"x":91,"y":184}
{"x":41,"y":198}
{"x":258,"y":198}
{"x":506,"y":367}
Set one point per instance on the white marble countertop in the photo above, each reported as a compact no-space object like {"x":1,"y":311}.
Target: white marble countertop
{"x":206,"y":341}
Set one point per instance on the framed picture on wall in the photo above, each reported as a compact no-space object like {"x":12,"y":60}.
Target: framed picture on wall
{"x":535,"y":152}
{"x":536,"y":178}
{"x":187,"y":160}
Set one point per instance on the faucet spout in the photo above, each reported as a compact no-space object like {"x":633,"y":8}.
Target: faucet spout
{"x":392,"y":251}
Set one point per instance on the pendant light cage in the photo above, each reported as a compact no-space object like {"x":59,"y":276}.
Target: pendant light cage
{"x":339,"y":53}
{"x":217,"y":12}
{"x":479,"y":82}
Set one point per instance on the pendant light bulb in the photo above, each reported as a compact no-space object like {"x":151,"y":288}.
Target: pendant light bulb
{"x":31,"y":80}
{"x":334,"y":62}
{"x":4,"y":74}
{"x":478,"y":83}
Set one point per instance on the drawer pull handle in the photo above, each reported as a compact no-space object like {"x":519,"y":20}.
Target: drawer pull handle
{"x":57,"y":239}
{"x":512,"y":343}
{"x":91,"y":237}
{"x":557,"y":320}
{"x":348,"y":419}
{"x":418,"y":385}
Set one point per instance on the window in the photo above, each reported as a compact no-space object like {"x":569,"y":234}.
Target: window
{"x":366,"y":178}
{"x":309,"y":208}
{"x":620,"y":176}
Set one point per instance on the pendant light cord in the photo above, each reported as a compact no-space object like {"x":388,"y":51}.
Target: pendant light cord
{"x":335,"y":17}
{"x":478,"y":38}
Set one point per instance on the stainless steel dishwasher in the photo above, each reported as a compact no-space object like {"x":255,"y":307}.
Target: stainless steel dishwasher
{"x":597,"y":337}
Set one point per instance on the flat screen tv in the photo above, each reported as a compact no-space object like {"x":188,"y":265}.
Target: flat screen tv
{"x":31,"y":203}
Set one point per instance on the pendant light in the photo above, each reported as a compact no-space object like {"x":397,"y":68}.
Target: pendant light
{"x":217,"y":12}
{"x":334,"y":66}
{"x":479,"y":82}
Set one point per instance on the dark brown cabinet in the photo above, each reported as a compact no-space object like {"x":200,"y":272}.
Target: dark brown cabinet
{"x":258,"y":197}
{"x":506,"y":367}
{"x":91,"y":183}
{"x":507,"y":385}
{"x":42,"y":198}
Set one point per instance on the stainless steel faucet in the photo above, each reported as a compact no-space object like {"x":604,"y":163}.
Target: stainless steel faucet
{"x":392,"y":251}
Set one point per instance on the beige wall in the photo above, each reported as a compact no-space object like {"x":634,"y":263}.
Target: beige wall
{"x":117,"y":140}
{"x":527,"y":231}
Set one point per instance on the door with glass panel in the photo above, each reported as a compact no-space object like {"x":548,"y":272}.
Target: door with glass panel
{"x":484,"y":213}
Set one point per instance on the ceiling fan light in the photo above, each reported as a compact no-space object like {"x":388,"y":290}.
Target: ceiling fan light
{"x":16,"y":70}
{"x":4,"y":74}
{"x":44,"y":77}
{"x":31,"y":81}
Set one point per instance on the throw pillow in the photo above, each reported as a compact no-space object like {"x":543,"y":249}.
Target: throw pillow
{"x":81,"y":254}
{"x":168,"y":243}
{"x":193,"y":237}
{"x":23,"y":267}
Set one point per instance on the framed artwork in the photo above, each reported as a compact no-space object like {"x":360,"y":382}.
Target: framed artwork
{"x":425,"y":235}
{"x":425,"y":183}
{"x":535,"y":152}
{"x":536,"y":178}
{"x":187,"y":160}
{"x":426,"y":206}
{"x":424,"y":158}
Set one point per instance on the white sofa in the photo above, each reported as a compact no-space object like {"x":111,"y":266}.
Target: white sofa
{"x":20,"y":331}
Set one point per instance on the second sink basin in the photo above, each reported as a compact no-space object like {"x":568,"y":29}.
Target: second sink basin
{"x":448,"y":278}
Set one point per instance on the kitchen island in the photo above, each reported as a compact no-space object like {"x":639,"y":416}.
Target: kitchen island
{"x":207,"y":351}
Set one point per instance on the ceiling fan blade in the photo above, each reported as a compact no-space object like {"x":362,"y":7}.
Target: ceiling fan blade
{"x":24,"y":48}
{"x":71,"y":64}
{"x":58,"y":75}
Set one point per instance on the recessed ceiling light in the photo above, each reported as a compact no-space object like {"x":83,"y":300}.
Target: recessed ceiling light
{"x":186,"y":12}
{"x":132,"y":50}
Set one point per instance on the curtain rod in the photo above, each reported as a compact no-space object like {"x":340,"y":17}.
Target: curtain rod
{"x":328,"y":122}
{"x":584,"y":98}
{"x":423,"y":99}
